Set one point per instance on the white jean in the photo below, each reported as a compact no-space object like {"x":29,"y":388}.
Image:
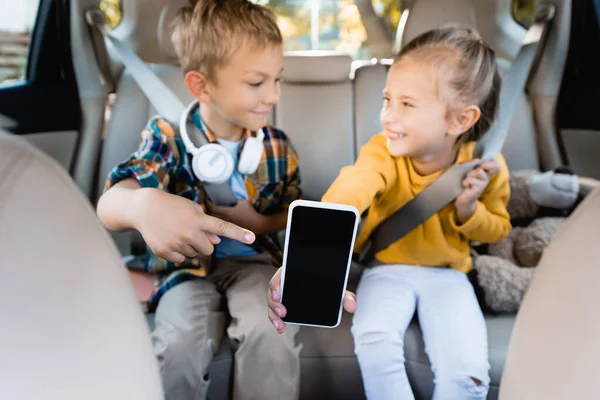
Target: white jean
{"x":453,"y":326}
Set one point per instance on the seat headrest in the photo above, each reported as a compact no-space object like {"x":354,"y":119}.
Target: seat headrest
{"x":164,"y":31}
{"x":55,"y":333}
{"x":316,"y":67}
{"x":425,"y":15}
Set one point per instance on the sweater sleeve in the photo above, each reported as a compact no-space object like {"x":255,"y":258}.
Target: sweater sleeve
{"x":370,"y":176}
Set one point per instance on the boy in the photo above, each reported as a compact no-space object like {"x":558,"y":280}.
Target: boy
{"x":231,"y":54}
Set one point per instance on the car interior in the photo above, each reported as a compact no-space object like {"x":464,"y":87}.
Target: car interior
{"x":75,"y":328}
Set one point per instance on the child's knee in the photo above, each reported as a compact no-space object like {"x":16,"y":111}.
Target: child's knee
{"x":371,"y":332}
{"x":178,"y":346}
{"x":375,"y":337}
{"x":467,"y":386}
{"x":256,"y":331}
{"x":183,"y":357}
{"x":474,"y":386}
{"x":378,"y":346}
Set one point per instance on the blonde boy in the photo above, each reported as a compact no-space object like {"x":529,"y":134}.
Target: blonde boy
{"x":231,"y":55}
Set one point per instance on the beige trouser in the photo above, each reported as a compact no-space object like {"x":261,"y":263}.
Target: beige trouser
{"x":190,"y":324}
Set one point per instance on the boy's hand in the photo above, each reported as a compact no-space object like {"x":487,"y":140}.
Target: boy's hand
{"x":278,"y":311}
{"x":475,"y":183}
{"x":242,"y":214}
{"x":175,"y":228}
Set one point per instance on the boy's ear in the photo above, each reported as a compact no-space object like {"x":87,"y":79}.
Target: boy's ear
{"x":197,"y":84}
{"x":462,"y":120}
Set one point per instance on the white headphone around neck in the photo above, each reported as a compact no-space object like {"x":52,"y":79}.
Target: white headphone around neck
{"x":211,"y":162}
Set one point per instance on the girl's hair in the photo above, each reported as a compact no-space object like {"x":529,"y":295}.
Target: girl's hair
{"x":471,"y":67}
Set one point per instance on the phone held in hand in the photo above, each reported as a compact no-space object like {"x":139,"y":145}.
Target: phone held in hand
{"x":316,"y":261}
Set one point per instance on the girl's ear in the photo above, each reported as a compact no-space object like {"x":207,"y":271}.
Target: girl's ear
{"x":198,"y":85}
{"x":463,"y":120}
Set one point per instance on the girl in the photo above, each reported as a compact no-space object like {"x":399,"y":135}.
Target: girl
{"x":440,"y":98}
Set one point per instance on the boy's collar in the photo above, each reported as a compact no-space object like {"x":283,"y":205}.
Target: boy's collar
{"x":204,"y":129}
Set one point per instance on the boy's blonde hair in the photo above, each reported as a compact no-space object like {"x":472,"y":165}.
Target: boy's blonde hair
{"x":471,"y":67}
{"x":208,"y":32}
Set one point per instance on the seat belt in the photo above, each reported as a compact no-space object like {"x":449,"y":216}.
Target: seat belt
{"x":162,"y":98}
{"x":449,"y":185}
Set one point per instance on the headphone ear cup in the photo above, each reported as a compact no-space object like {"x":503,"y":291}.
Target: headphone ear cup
{"x":212,"y":164}
{"x":251,"y":156}
{"x":196,"y":168}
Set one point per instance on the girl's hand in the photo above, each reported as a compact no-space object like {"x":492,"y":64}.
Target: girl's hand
{"x":474,"y":183}
{"x":278,"y":311}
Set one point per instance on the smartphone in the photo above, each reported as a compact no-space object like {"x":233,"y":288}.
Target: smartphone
{"x":316,"y":260}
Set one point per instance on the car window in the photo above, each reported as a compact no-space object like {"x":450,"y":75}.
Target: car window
{"x":113,"y":11}
{"x":16,"y":23}
{"x":362,"y":28}
{"x":523,"y":10}
{"x":17,"y":20}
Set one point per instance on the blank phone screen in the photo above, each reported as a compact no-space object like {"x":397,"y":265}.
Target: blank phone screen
{"x":319,"y":249}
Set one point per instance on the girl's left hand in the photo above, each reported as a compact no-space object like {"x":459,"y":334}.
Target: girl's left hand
{"x":277,"y":311}
{"x":475,"y":183}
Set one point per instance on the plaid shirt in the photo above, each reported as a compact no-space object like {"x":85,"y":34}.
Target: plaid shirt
{"x":162,"y":162}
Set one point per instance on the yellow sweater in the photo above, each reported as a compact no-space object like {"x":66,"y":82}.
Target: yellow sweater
{"x":382,"y":184}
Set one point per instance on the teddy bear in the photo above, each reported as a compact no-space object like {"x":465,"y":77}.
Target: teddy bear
{"x":538,"y":205}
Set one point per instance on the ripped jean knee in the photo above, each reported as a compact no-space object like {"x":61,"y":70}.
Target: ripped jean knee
{"x":462,"y":386}
{"x":474,"y":386}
